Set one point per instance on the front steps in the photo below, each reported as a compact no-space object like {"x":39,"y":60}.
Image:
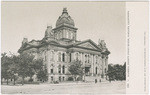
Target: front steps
{"x":93,"y":78}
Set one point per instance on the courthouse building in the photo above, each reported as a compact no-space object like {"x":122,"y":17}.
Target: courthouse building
{"x":60,"y":47}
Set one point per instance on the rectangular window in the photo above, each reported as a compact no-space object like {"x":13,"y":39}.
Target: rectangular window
{"x":51,"y":78}
{"x":59,"y":70}
{"x":63,"y":69}
{"x":96,"y":59}
{"x":51,"y":71}
{"x":63,"y":78}
{"x":59,"y":78}
{"x":63,"y":57}
{"x":70,"y":57}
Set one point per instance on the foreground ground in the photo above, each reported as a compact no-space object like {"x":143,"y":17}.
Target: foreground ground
{"x":116,"y":87}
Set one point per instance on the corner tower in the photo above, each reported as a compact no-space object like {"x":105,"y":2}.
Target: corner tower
{"x":65,"y":28}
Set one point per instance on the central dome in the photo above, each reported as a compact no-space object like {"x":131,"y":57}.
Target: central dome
{"x":65,"y":19}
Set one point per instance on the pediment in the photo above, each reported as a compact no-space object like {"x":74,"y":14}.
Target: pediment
{"x":88,"y":45}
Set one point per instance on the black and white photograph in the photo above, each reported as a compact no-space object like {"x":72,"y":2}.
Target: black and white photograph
{"x":63,"y":47}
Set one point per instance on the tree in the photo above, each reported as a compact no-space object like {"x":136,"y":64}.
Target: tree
{"x":110,"y":72}
{"x":124,"y":71}
{"x":40,"y":69}
{"x":117,"y":72}
{"x":23,"y":65}
{"x":76,"y":69}
{"x":37,"y":65}
{"x":5,"y":68}
{"x":14,"y":67}
{"x":42,"y":75}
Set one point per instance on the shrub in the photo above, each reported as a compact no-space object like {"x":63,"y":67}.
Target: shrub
{"x":70,"y":79}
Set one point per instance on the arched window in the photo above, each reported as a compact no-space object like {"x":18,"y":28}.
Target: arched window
{"x":52,"y":55}
{"x":96,"y":70}
{"x":63,"y":57}
{"x":59,"y":56}
{"x":63,"y":68}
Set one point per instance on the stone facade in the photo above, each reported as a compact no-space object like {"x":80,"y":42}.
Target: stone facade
{"x":60,"y":47}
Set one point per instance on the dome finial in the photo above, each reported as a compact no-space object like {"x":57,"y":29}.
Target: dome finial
{"x":65,"y":10}
{"x":65,"y":18}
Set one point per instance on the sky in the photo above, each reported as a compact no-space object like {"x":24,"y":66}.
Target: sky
{"x":94,"y":20}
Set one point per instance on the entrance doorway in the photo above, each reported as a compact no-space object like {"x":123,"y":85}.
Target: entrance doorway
{"x":60,"y":79}
{"x":87,"y":71}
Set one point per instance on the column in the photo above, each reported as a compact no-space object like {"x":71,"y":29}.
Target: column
{"x":73,"y":56}
{"x":48,"y":64}
{"x":83,"y":59}
{"x":106,"y":63}
{"x":55,"y":61}
{"x":90,"y":57}
{"x":61,"y":55}
{"x":92,"y":64}
{"x":103,"y":63}
{"x":67,"y":57}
